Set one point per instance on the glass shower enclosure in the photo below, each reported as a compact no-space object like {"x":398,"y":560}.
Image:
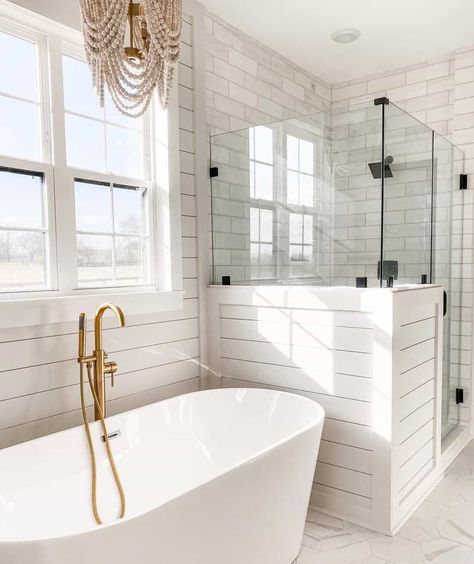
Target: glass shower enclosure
{"x":362,"y":196}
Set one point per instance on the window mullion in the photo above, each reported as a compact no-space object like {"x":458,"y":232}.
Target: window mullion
{"x":66,"y":247}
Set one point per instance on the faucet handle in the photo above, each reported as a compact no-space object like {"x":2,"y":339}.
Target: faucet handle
{"x":111,"y":368}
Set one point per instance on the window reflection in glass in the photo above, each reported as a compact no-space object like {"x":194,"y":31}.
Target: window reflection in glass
{"x":261,"y":162}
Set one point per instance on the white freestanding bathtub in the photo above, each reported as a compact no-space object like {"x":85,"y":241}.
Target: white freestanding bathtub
{"x":213,"y":477}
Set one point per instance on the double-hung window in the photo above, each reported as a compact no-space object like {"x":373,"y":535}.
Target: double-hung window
{"x":82,"y":188}
{"x":108,"y":162}
{"x":27,"y":247}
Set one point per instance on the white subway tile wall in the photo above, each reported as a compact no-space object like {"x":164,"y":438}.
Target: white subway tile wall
{"x":440,"y":94}
{"x":248,"y":84}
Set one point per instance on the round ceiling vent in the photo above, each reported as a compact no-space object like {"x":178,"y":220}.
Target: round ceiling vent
{"x":347,"y":35}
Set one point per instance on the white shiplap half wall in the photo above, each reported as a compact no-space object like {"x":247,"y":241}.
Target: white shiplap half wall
{"x":157,"y":354}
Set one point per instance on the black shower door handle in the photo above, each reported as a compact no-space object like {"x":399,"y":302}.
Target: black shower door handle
{"x":445,"y":303}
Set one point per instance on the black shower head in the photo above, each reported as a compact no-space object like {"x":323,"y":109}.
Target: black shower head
{"x":376,"y":168}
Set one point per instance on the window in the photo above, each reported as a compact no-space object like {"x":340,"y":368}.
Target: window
{"x":112,"y":234}
{"x":300,"y":170}
{"x":261,"y":241}
{"x":261,"y":163}
{"x":301,"y":237}
{"x":85,"y":192}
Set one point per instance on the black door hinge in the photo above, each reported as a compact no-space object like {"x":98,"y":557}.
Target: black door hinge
{"x":213,"y":171}
{"x":463,"y":182}
{"x":459,"y":395}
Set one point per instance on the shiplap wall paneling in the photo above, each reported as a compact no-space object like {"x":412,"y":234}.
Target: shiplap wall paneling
{"x":370,"y":358}
{"x":157,"y":354}
{"x":417,"y":385}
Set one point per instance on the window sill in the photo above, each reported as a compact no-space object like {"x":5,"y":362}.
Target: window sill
{"x":27,"y":312}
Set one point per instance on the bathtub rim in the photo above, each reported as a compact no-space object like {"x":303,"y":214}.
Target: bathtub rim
{"x":319,"y":421}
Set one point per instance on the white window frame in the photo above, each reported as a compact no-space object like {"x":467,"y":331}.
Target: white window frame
{"x":63,"y":297}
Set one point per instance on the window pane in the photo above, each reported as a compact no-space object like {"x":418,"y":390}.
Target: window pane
{"x":254,"y":248}
{"x":296,"y":228}
{"x":296,"y":252}
{"x":121,"y":223}
{"x":306,"y":157}
{"x":128,"y":260}
{"x":292,"y":152}
{"x":266,"y":226}
{"x":266,"y":254}
{"x":252,"y":143}
{"x":19,"y":129}
{"x":124,"y":151}
{"x":21,"y":200}
{"x":263,"y":181}
{"x":18,"y":73}
{"x":85,"y":143}
{"x":94,"y":260}
{"x":308,"y":229}
{"x":22,"y":260}
{"x":254,"y":224}
{"x":306,"y":190}
{"x":161,"y":124}
{"x":292,"y":195}
{"x":114,"y":116}
{"x":128,"y":210}
{"x":264,"y":144}
{"x":79,"y":94}
{"x":93,"y":207}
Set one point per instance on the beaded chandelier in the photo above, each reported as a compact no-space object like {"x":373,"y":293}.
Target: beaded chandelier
{"x":131,"y":47}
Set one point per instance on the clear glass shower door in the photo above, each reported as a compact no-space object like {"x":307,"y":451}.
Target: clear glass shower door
{"x":448,"y":164}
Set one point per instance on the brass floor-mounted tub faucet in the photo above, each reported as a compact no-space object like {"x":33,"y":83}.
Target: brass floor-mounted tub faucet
{"x":98,"y":359}
{"x":98,"y":366}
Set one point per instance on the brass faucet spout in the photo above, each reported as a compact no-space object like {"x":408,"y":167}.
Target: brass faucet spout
{"x":98,"y":321}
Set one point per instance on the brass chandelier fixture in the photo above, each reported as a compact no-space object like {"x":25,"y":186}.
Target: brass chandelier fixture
{"x":131,"y":48}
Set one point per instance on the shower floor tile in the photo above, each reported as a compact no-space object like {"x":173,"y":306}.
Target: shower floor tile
{"x":440,"y":532}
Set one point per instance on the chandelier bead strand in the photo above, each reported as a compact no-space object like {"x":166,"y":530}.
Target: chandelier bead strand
{"x":155,"y":36}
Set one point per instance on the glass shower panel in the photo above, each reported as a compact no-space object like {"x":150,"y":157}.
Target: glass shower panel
{"x":272,"y":199}
{"x":407,"y":198}
{"x":356,"y":142}
{"x":448,"y":164}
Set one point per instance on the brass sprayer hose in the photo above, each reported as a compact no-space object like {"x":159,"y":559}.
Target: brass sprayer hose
{"x":91,"y":446}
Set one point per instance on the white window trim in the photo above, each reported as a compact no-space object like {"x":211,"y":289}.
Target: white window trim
{"x":56,"y":306}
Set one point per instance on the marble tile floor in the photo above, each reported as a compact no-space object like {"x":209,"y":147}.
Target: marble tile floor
{"x":440,"y":532}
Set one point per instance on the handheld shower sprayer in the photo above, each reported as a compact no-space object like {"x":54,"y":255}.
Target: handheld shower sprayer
{"x":82,"y":335}
{"x":97,"y":368}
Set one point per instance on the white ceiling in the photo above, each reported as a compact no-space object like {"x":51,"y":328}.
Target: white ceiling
{"x":394,"y":33}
